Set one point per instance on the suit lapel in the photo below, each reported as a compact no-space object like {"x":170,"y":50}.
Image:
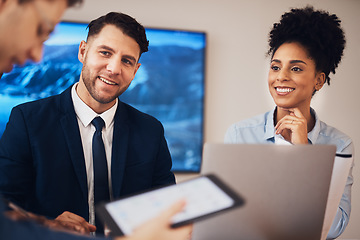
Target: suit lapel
{"x":119,"y":148}
{"x":73,"y":139}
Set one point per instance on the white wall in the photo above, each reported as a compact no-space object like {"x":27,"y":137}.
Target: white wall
{"x":236,"y":65}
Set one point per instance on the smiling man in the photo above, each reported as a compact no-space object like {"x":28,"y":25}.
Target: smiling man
{"x":110,"y":62}
{"x":54,"y":158}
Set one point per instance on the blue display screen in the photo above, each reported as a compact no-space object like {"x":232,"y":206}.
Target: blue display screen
{"x":169,"y":85}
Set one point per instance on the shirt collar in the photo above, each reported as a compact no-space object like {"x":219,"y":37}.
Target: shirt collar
{"x":86,"y":114}
{"x":269,"y":126}
{"x":314,"y":133}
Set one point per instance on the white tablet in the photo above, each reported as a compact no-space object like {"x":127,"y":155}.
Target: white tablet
{"x":205,"y":196}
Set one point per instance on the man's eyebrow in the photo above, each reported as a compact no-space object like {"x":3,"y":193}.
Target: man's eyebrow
{"x":106,"y":47}
{"x":112,"y":50}
{"x":131,"y":58}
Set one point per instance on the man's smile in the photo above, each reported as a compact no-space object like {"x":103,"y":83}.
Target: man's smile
{"x":107,"y":81}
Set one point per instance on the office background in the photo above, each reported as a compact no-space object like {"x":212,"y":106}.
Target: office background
{"x":236,"y":68}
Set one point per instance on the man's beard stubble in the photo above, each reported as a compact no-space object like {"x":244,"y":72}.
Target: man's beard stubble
{"x":90,"y":86}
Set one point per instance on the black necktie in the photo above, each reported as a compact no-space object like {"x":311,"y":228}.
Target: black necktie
{"x":101,"y":182}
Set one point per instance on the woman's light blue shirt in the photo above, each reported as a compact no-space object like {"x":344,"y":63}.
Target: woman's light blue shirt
{"x":261,"y":129}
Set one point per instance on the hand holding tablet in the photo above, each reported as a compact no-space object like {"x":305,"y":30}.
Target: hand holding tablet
{"x":205,"y":196}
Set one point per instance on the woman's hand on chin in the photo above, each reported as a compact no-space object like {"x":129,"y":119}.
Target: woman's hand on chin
{"x":293,"y":127}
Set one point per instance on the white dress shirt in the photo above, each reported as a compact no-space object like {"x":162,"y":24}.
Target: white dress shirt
{"x":84,"y":116}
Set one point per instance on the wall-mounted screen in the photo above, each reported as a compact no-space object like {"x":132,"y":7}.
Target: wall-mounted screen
{"x":169,"y":84}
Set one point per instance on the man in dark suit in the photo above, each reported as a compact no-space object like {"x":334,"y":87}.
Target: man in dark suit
{"x":31,"y":17}
{"x":46,"y":160}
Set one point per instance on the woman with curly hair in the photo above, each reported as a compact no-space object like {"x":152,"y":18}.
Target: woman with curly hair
{"x":305,"y":46}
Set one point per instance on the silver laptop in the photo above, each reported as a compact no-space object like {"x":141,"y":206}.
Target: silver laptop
{"x":285,"y":189}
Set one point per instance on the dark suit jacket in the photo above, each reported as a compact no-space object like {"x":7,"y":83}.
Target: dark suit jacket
{"x":42,"y":166}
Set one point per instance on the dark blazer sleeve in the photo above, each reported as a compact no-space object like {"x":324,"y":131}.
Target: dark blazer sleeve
{"x":42,"y":165}
{"x":11,"y":230}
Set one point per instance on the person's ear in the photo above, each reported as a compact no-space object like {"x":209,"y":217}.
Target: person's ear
{"x":82,"y":51}
{"x":320,"y":81}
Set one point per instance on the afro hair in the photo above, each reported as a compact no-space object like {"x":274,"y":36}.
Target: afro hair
{"x":318,"y":31}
